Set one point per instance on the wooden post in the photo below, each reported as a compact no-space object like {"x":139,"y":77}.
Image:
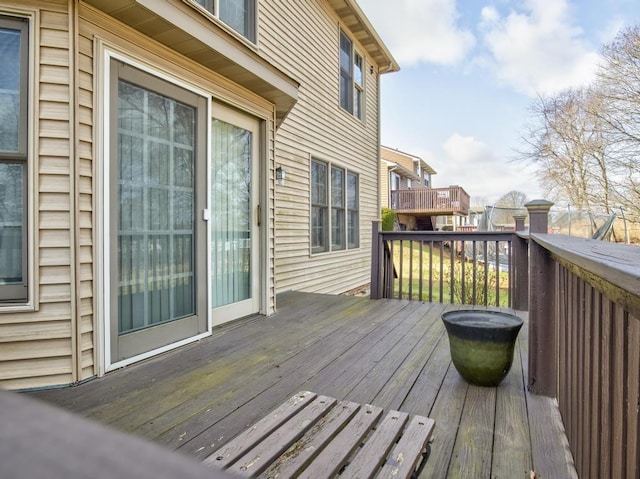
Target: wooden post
{"x":543,"y":364}
{"x":376,"y":263}
{"x":521,"y":266}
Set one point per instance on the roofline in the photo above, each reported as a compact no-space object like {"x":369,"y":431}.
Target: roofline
{"x":414,"y":157}
{"x":405,"y":172}
{"x":384,"y":59}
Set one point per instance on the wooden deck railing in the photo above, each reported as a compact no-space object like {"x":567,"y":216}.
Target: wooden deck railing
{"x":445,"y":267}
{"x":452,"y":200}
{"x":583,"y":298}
{"x":587,"y":347}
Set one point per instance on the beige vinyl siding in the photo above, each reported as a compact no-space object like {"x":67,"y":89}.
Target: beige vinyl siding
{"x":37,"y":346}
{"x":384,"y":185}
{"x":94,"y":25}
{"x":84,"y":253}
{"x":302,"y":39}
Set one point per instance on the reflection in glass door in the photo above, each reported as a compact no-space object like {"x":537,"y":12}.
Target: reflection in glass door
{"x":234,"y":200}
{"x":157,"y":235}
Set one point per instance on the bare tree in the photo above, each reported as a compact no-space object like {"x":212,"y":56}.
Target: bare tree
{"x":569,"y":146}
{"x":586,"y":142}
{"x":513,"y":199}
{"x":619,"y":112}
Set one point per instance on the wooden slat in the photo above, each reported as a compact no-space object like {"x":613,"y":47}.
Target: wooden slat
{"x":587,"y":389}
{"x":229,"y":453}
{"x":261,"y":456}
{"x":633,"y":399}
{"x":619,"y":424}
{"x":606,"y":410}
{"x":474,"y":443}
{"x":311,"y":444}
{"x":407,"y":453}
{"x":334,"y":455}
{"x":511,"y":443}
{"x":596,"y":386}
{"x":374,"y":452}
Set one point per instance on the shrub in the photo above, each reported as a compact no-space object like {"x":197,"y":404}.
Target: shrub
{"x":388,"y":219}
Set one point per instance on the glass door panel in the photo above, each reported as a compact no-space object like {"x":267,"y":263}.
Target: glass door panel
{"x":156,"y":201}
{"x":157,"y":231}
{"x":234,"y":239}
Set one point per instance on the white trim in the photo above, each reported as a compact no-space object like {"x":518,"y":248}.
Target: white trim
{"x":33,"y":193}
{"x":342,"y":166}
{"x":149,"y":354}
{"x":213,"y":17}
{"x":246,"y":121}
{"x":105,"y":52}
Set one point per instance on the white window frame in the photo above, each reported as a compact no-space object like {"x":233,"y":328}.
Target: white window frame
{"x":29,"y":303}
{"x":394,"y":182}
{"x":106,"y":52}
{"x":212,"y":8}
{"x":352,"y":92}
{"x":328,"y":234}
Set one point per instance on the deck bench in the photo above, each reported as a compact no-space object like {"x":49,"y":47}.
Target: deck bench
{"x":314,"y":436}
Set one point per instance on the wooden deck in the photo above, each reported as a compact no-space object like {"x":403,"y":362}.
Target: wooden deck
{"x":389,"y":353}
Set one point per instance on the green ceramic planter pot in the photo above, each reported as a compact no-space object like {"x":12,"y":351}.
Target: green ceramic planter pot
{"x":482,"y":344}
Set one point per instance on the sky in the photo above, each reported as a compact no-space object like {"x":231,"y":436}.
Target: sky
{"x":471,"y":71}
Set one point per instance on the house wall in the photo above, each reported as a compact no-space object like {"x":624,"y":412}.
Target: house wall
{"x":384,"y":185}
{"x":57,"y":342}
{"x":52,"y":343}
{"x":302,"y":39}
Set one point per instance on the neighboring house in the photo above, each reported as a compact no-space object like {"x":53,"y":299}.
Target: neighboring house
{"x":406,"y":187}
{"x":170,"y":165}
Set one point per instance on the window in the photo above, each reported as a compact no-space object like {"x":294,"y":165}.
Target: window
{"x":337,"y":209}
{"x":319,"y":207}
{"x":351,"y":78}
{"x":335,"y":217}
{"x":238,"y":14}
{"x":13,"y":158}
{"x":395,"y":181}
{"x":353,"y":214}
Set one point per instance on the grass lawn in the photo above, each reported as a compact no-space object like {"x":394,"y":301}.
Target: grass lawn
{"x":454,"y":278}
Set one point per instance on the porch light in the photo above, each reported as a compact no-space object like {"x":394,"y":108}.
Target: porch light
{"x":281,"y":175}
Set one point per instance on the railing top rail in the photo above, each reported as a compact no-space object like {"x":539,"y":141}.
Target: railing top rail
{"x":449,"y":235}
{"x":600,"y":262}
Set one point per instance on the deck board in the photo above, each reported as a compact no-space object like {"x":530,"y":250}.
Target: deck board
{"x":393,"y":354}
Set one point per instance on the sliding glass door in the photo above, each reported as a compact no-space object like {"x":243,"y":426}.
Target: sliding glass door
{"x":235,"y":279}
{"x":158,"y":236}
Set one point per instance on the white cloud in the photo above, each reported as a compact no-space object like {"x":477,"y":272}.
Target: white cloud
{"x":538,"y":48}
{"x":420,"y":30}
{"x":470,"y":163}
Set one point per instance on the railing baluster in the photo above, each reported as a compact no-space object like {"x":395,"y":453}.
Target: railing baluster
{"x":431,"y":271}
{"x":463,"y":264}
{"x":441,"y":271}
{"x":400,"y":272}
{"x":410,"y":269}
{"x":392,"y":276}
{"x":474,"y":271}
{"x":451,"y":269}
{"x":486,"y":274}
{"x":420,"y":269}
{"x":497,"y":273}
{"x":511,"y":281}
